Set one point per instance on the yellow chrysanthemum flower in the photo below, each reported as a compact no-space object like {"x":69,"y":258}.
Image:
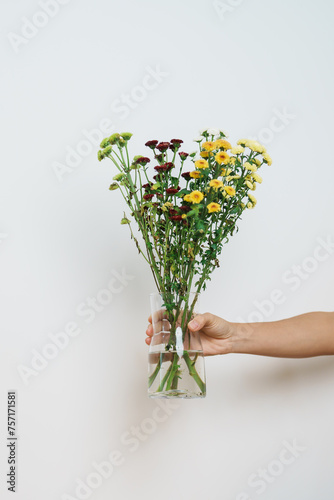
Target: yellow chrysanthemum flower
{"x":222,"y":157}
{"x":201,"y":164}
{"x":255,"y":146}
{"x":229,"y":190}
{"x":226,"y":171}
{"x":242,"y":142}
{"x":195,"y":174}
{"x":249,"y":184}
{"x":252,"y":199}
{"x":213,"y":207}
{"x":257,"y":178}
{"x":196,"y":197}
{"x":184,"y":216}
{"x":267,"y":158}
{"x":209,"y":146}
{"x":232,"y":160}
{"x":222,"y":144}
{"x":232,"y":177}
{"x":187,"y":197}
{"x":250,"y":205}
{"x":204,"y":154}
{"x":257,"y":161}
{"x":166,"y":206}
{"x":237,"y":150}
{"x":243,"y":205}
{"x":250,"y":167}
{"x":216,"y":183}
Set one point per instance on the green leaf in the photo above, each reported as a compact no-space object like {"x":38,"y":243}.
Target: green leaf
{"x":182,"y":192}
{"x":200,"y":226}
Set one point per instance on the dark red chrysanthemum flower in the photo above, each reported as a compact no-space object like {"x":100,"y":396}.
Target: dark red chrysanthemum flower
{"x":172,"y":190}
{"x":185,"y":208}
{"x":160,"y":168}
{"x":176,"y":217}
{"x":143,"y":160}
{"x":172,"y":211}
{"x":183,"y":155}
{"x":148,"y":196}
{"x":163,"y":146}
{"x":176,"y":141}
{"x":159,"y":157}
{"x":151,"y":144}
{"x":159,"y":195}
{"x":164,"y":167}
{"x":158,"y":176}
{"x":186,"y":175}
{"x":147,"y":185}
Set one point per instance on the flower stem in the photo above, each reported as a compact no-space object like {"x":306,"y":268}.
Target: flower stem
{"x":152,"y":378}
{"x":161,"y":386}
{"x":173,"y":372}
{"x":193,"y":372}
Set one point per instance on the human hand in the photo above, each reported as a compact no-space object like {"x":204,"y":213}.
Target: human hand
{"x":216,"y":333}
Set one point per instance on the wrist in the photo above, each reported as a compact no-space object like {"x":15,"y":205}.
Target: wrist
{"x":241,"y":337}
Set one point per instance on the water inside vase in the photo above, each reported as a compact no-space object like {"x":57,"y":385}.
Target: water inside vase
{"x":177,"y":374}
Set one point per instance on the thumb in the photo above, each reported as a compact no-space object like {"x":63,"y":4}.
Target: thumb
{"x":197,"y":323}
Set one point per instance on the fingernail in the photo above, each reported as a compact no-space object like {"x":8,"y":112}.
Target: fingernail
{"x":193,"y":324}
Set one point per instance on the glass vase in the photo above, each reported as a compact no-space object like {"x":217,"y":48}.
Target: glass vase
{"x":176,"y":362}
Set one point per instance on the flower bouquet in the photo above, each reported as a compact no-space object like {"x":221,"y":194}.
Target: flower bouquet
{"x":185,"y":216}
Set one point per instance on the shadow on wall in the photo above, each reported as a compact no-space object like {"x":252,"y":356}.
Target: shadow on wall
{"x":289,"y":375}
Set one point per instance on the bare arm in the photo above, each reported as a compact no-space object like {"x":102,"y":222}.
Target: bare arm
{"x":303,"y":336}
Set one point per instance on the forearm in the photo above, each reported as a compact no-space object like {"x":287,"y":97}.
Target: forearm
{"x":303,"y":336}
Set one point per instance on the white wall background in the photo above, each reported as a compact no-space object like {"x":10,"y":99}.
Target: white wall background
{"x":61,"y":240}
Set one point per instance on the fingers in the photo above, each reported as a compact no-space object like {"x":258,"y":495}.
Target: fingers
{"x":158,"y":338}
{"x":160,"y":326}
{"x":158,"y":316}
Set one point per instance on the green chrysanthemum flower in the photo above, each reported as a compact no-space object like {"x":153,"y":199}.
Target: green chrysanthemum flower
{"x":107,"y":150}
{"x":104,"y":143}
{"x":114,"y":138}
{"x":126,"y":135}
{"x":118,"y":177}
{"x":100,"y":155}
